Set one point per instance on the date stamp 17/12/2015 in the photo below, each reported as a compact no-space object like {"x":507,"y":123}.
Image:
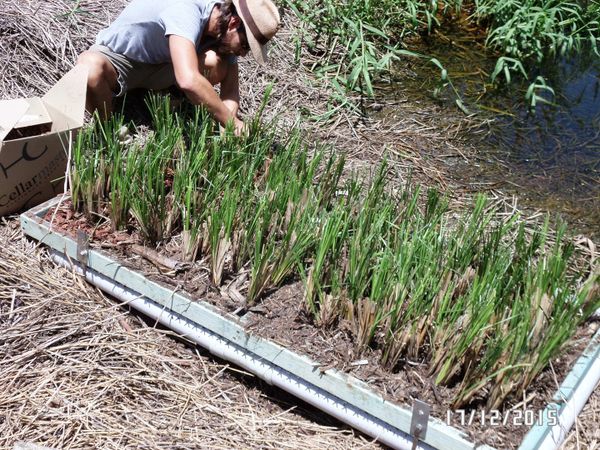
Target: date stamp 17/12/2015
{"x":496,"y":418}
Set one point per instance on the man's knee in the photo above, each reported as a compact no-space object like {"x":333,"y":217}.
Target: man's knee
{"x":212,"y":66}
{"x":101,"y":71}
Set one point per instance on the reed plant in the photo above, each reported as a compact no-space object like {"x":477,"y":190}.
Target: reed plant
{"x":100,"y":173}
{"x":480,"y":293}
{"x":188,"y":182}
{"x":285,"y":218}
{"x":484,"y":299}
{"x":148,"y":192}
{"x":323,"y":293}
{"x":358,"y":40}
{"x":87,"y":166}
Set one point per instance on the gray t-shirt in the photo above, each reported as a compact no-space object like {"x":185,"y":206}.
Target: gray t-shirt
{"x":141,"y":31}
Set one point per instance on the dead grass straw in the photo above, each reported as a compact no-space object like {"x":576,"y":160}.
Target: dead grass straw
{"x":80,"y":372}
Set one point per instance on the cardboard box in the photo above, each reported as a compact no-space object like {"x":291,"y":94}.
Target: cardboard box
{"x":34,"y":140}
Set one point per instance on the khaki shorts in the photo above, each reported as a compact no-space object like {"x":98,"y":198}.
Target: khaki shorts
{"x":133,"y":74}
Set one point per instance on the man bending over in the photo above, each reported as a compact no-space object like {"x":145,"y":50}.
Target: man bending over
{"x":154,"y":44}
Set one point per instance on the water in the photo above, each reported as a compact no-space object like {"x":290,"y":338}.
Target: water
{"x":550,"y":159}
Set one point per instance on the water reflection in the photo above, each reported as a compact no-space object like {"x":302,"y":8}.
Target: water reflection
{"x":555,"y":153}
{"x":551,"y":159}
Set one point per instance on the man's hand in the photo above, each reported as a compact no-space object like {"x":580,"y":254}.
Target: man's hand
{"x":240,"y":128}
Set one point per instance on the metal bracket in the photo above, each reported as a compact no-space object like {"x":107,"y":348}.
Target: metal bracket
{"x":419,"y":421}
{"x":83,"y":247}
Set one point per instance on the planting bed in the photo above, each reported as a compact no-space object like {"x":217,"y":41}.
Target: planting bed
{"x":280,"y":319}
{"x":462,"y":310}
{"x":228,"y":333}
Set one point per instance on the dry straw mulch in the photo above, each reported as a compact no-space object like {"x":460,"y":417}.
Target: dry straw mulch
{"x":40,"y":40}
{"x":77,"y":371}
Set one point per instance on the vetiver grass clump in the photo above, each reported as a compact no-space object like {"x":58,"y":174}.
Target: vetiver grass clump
{"x":483,"y":299}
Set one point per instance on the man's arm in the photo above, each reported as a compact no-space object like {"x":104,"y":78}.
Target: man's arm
{"x":196,"y":87}
{"x":230,"y":89}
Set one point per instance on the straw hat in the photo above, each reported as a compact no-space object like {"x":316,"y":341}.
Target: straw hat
{"x":261,"y":21}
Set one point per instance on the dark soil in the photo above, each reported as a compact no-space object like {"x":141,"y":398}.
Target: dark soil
{"x":281,"y":318}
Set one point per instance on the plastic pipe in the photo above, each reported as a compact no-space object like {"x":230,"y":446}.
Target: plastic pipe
{"x":262,"y":368}
{"x":552,"y":437}
{"x":573,"y":407}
